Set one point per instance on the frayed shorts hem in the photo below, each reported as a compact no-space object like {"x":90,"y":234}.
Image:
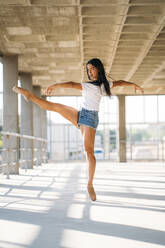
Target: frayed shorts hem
{"x":81,"y":124}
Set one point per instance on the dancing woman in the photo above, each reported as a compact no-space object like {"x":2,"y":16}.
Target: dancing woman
{"x":87,"y":117}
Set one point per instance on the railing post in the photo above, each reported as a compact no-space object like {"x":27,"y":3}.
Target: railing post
{"x":162,"y":150}
{"x":8,"y":158}
{"x":43,"y":152}
{"x":39,"y":155}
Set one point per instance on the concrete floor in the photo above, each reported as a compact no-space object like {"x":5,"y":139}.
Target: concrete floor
{"x":48,"y":207}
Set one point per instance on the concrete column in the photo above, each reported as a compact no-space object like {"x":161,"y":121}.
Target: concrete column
{"x":121,"y":129}
{"x":37,"y":125}
{"x":10,"y":111}
{"x":44,"y":124}
{"x":26,"y":121}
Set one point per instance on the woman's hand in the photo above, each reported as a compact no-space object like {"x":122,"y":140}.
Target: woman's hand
{"x":125,"y":83}
{"x":50,"y":89}
{"x":136,"y":87}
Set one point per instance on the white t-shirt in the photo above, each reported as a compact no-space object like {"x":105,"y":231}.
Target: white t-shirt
{"x":91,"y":95}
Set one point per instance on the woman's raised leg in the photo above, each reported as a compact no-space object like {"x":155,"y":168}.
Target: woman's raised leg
{"x":88,"y":134}
{"x":67,"y":112}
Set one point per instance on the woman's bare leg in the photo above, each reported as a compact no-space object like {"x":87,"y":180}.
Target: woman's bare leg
{"x":67,"y":112}
{"x":88,"y":134}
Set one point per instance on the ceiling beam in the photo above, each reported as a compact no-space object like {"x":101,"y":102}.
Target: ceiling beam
{"x":146,"y":48}
{"x":118,"y":30}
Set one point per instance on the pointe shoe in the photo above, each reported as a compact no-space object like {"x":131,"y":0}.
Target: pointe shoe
{"x":23,"y":92}
{"x":91,"y":192}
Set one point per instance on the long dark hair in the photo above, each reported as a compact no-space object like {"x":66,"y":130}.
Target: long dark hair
{"x":101,"y":75}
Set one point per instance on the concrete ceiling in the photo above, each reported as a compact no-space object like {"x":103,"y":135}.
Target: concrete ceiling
{"x":55,"y":38}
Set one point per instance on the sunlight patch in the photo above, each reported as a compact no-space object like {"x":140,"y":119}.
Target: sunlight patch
{"x":75,"y":211}
{"x":18,"y":233}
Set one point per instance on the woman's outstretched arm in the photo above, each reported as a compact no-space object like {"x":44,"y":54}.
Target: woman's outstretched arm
{"x":125,"y":83}
{"x":73,"y":85}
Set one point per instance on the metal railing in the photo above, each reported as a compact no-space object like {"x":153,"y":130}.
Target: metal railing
{"x":146,"y":150}
{"x":22,"y":155}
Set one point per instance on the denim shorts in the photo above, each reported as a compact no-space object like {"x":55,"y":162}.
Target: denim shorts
{"x":88,"y":118}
